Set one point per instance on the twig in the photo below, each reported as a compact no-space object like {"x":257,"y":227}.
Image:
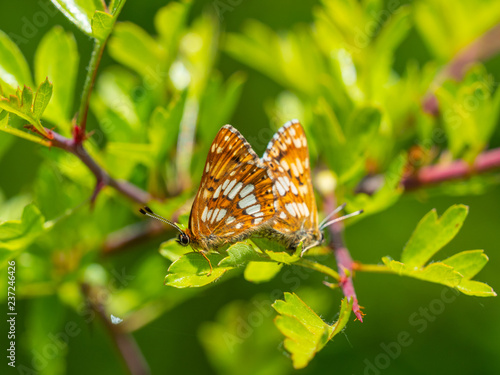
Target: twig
{"x":103,"y":178}
{"x":482,"y":48}
{"x":95,"y":59}
{"x":435,"y":174}
{"x":343,"y":258}
{"x":459,"y":169}
{"x":125,"y":343}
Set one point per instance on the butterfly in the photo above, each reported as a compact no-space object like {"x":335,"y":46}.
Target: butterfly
{"x":241,"y":195}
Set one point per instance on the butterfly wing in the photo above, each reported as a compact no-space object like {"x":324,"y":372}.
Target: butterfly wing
{"x":235,"y":196}
{"x":287,"y":156}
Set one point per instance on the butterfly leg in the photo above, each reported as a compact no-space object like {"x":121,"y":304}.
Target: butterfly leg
{"x":209,"y":263}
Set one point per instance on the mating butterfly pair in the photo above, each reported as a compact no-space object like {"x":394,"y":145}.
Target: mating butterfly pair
{"x":242,"y":195}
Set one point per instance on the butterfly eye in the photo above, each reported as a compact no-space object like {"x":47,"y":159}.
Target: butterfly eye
{"x":183,"y":239}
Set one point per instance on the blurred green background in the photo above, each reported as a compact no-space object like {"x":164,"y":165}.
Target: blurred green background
{"x":192,"y":331}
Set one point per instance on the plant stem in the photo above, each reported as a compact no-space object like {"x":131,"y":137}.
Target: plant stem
{"x":378,"y":268}
{"x":344,"y":260}
{"x":435,"y":174}
{"x":459,"y":169}
{"x":125,"y":343}
{"x":95,"y":59}
{"x":318,"y":267}
{"x":103,"y":178}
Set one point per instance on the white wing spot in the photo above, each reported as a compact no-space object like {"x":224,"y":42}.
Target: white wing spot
{"x":239,"y":225}
{"x":204,"y":214}
{"x":290,"y":209}
{"x":229,"y":187}
{"x":297,"y":209}
{"x":216,"y":212}
{"x":258,"y":214}
{"x":221,"y":214}
{"x":284,"y":164}
{"x":306,"y":163}
{"x":217,"y":192}
{"x":295,"y":172}
{"x":230,"y":219}
{"x":280,"y":188}
{"x":207,"y":167}
{"x":257,"y":221}
{"x":294,"y":189}
{"x":283,"y":215}
{"x":235,"y":190}
{"x":306,"y":209}
{"x":220,"y":149}
{"x":246,"y":190}
{"x":297,"y":142}
{"x":209,"y":213}
{"x":247,"y":201}
{"x":213,"y":147}
{"x":292,"y":131}
{"x":225,"y":184}
{"x":253,"y":209}
{"x":299,"y":165}
{"x":226,"y":138}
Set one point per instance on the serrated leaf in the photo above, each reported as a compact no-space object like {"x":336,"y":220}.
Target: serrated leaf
{"x":431,"y":234}
{"x":80,"y":12}
{"x":468,"y":263}
{"x":14,"y":70}
{"x":17,"y":235}
{"x":192,"y":270}
{"x":239,"y":254}
{"x":15,"y":104}
{"x":42,"y":98}
{"x":102,"y":25}
{"x":56,"y":59}
{"x":260,"y":272}
{"x":305,"y":332}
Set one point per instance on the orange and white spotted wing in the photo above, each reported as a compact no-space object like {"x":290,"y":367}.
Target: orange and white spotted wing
{"x":287,"y":156}
{"x":235,"y":194}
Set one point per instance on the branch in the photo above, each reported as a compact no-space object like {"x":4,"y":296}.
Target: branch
{"x":125,"y":343}
{"x":103,"y":178}
{"x":95,"y":59}
{"x":484,"y":47}
{"x":435,"y":174}
{"x":459,"y":169}
{"x":343,"y":258}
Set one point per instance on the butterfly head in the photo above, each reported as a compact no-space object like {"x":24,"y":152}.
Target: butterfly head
{"x":183,"y":239}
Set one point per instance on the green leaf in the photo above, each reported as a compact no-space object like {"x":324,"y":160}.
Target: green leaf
{"x":283,"y":257}
{"x":468,"y":263}
{"x":14,"y":70}
{"x":102,"y":25}
{"x":80,"y":12}
{"x":305,"y":332}
{"x":17,"y":235}
{"x":431,"y":234}
{"x":133,"y":47}
{"x":476,"y":288}
{"x":172,"y":250}
{"x":260,"y":272}
{"x":56,"y":59}
{"x":5,"y":127}
{"x":42,"y":98}
{"x":192,"y":270}
{"x":239,"y":254}
{"x":21,"y":105}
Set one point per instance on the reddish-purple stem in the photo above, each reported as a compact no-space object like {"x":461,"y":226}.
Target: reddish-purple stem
{"x":434,"y":174}
{"x":344,"y":260}
{"x":103,"y":178}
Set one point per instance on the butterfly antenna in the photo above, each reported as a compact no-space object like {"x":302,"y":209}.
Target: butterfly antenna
{"x":338,"y":209}
{"x":341,"y":218}
{"x":148,"y":212}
